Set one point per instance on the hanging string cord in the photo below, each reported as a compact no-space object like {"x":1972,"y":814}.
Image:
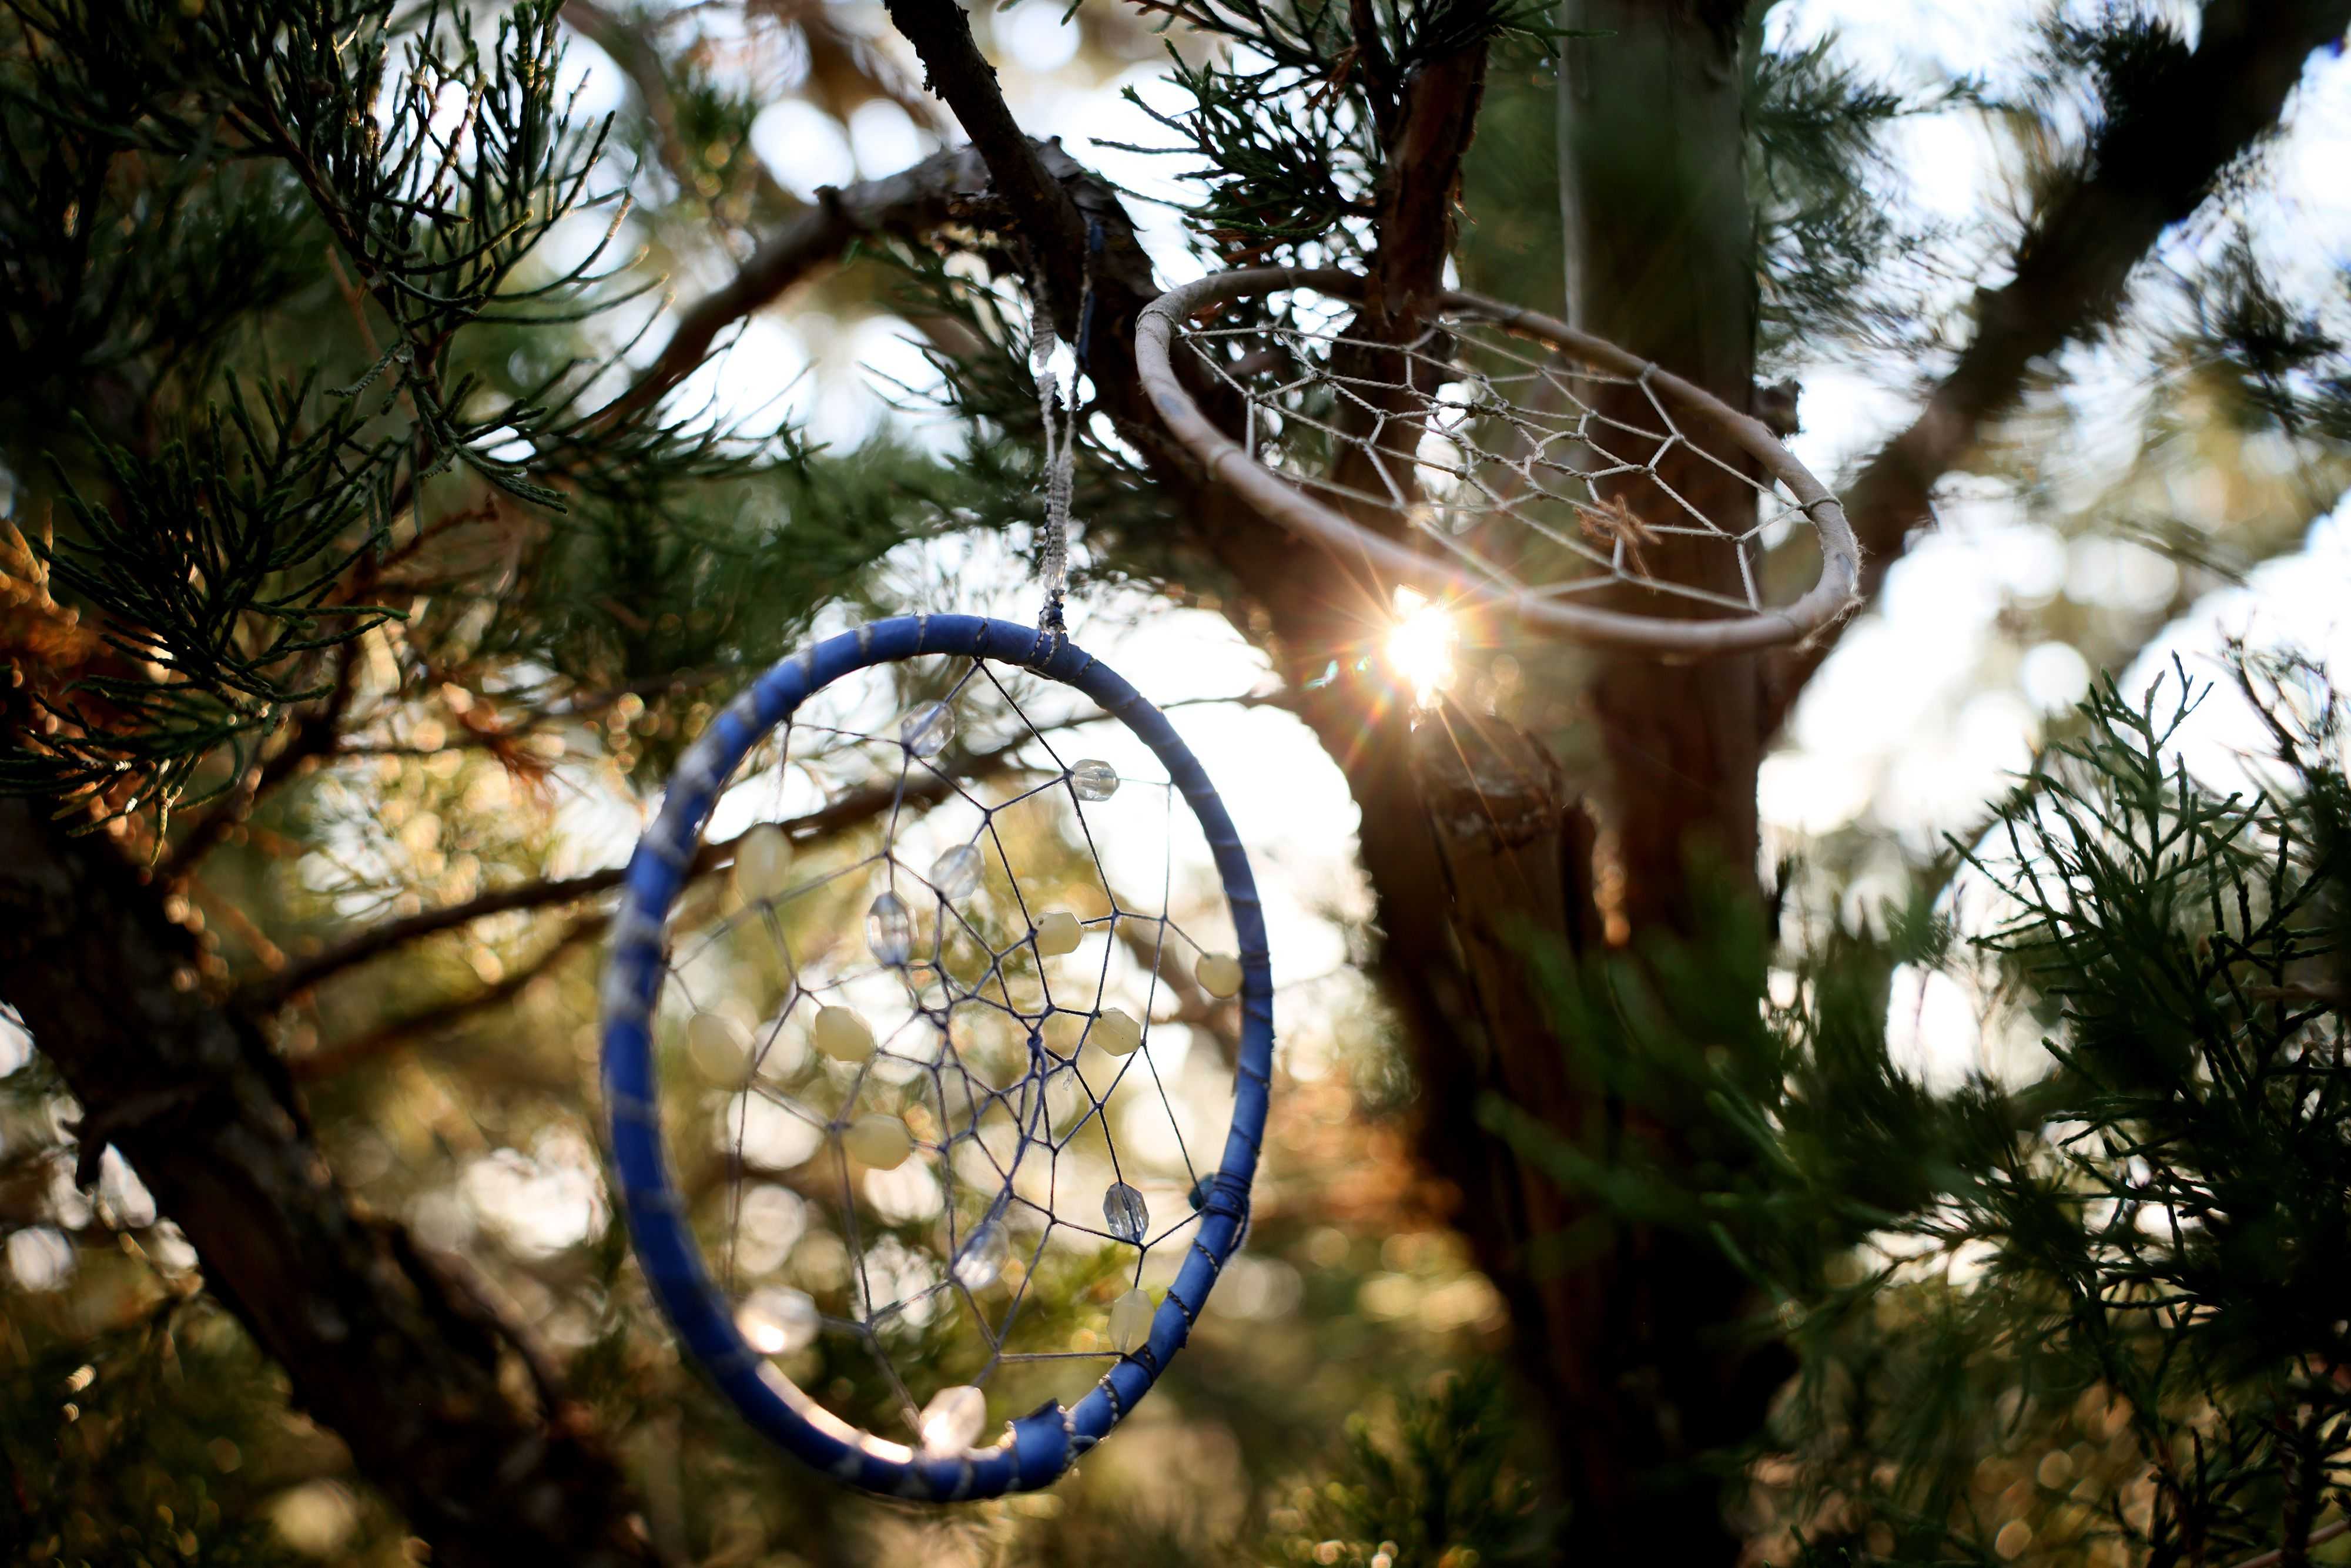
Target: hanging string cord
{"x":1057,"y":413}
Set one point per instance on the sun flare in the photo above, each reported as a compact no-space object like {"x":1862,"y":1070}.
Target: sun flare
{"x":1421,"y":644}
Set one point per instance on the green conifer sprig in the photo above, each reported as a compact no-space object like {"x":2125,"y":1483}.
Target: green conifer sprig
{"x":1291,"y":119}
{"x":225,"y":527}
{"x":2147,"y":1244}
{"x":219,"y":559}
{"x":1833,"y":241}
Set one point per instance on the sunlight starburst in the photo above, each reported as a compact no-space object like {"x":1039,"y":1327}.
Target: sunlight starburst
{"x":1420,"y":646}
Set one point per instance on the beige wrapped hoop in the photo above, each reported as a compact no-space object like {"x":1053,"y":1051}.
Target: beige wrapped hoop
{"x":1563,"y":486}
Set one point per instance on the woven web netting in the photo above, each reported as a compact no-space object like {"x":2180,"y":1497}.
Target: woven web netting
{"x":951,"y":1049}
{"x":1518,"y":468}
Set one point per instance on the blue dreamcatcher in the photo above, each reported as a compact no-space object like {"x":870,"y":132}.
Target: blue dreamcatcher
{"x":936,"y":1052}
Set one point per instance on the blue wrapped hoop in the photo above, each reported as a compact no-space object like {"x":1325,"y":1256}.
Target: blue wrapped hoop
{"x":1037,"y":1448}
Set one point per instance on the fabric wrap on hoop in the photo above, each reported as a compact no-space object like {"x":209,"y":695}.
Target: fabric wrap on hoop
{"x":1037,"y":1448}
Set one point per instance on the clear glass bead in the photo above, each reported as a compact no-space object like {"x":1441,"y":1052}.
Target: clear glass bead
{"x":1125,"y":1213}
{"x":1114,"y":1032}
{"x":763,"y":864}
{"x":890,"y":929}
{"x":950,"y":1423}
{"x":980,"y":1262}
{"x":1094,"y":780}
{"x":1130,"y":1321}
{"x":956,"y":875}
{"x":926,"y":731}
{"x":1219,"y":973}
{"x":776,"y":1322}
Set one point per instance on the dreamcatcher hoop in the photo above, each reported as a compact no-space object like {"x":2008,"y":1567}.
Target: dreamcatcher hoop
{"x":1430,"y":552}
{"x":1035,"y":1449}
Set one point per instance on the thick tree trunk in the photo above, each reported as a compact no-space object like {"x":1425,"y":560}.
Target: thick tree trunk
{"x":1659,"y":257}
{"x":1476,"y":846}
{"x":379,"y":1342}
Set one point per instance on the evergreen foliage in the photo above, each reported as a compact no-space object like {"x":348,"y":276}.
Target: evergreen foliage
{"x":233,"y":522}
{"x":1291,"y":119}
{"x":1439,"y":1485}
{"x":360,"y":545}
{"x":2127,"y":1256}
{"x":1837,"y":247}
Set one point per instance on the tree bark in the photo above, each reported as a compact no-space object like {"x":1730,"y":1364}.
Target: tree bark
{"x":1660,"y":258}
{"x":1660,"y":252}
{"x":379,"y":1342}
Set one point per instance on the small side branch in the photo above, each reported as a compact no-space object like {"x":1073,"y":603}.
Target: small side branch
{"x":908,"y":206}
{"x":633,"y":52}
{"x":2318,"y":1537}
{"x":1047,"y":217}
{"x":315,"y":735}
{"x":345,"y":1055}
{"x":841,"y":816}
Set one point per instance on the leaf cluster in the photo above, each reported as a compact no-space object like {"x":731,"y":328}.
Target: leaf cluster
{"x":2290,"y":362}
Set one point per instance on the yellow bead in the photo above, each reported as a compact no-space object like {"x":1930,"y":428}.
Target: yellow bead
{"x":763,"y":864}
{"x":1130,"y":1321}
{"x":1219,"y":973}
{"x":720,"y":1046}
{"x":881,"y":1142}
{"x":1115,"y":1033}
{"x":842,"y":1035}
{"x":1058,"y":933}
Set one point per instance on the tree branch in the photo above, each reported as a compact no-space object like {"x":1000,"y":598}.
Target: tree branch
{"x":265,"y":992}
{"x":1425,"y":135}
{"x":908,"y":205}
{"x":1419,"y":192}
{"x":373,"y":1345}
{"x":1042,"y":209}
{"x":313,"y":734}
{"x":2173,"y":129}
{"x":271,"y":991}
{"x":2318,"y":1537}
{"x":348,"y":1054}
